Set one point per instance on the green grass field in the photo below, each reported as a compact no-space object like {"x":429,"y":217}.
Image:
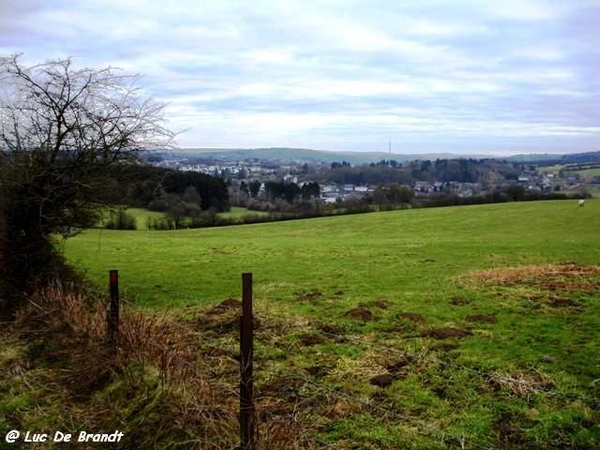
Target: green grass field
{"x":502,"y":358}
{"x":143,"y":215}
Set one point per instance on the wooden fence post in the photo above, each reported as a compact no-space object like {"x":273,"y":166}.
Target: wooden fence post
{"x":247,"y":411}
{"x":112,"y":314}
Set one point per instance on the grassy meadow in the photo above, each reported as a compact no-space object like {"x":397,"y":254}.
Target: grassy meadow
{"x":460,"y":327}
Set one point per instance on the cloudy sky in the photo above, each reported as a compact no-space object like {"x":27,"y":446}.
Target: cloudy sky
{"x":465,"y":76}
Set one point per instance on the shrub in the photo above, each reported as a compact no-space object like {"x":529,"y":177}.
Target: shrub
{"x":120,"y":220}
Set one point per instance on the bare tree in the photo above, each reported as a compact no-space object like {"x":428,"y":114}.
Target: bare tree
{"x":64,"y":132}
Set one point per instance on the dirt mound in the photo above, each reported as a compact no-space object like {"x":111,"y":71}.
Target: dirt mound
{"x":308,"y":339}
{"x":446,"y":332}
{"x":382,"y":304}
{"x":382,"y":381}
{"x":564,"y":303}
{"x":481,"y":318}
{"x":397,"y":367}
{"x":318,"y":371}
{"x":459,"y":301}
{"x":360,"y":313}
{"x":226,"y":305}
{"x":414,"y":317}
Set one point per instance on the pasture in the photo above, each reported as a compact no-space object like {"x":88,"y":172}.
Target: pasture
{"x":461,"y":327}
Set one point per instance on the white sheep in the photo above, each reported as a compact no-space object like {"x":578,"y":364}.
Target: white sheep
{"x":581,"y":202}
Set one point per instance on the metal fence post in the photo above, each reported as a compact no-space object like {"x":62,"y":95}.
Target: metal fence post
{"x":247,"y":410}
{"x":112,"y":315}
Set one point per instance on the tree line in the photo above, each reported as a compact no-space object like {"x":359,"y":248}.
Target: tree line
{"x":387,"y":172}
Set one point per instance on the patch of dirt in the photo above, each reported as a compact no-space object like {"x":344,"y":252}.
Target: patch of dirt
{"x":360,"y":313}
{"x":481,"y":318}
{"x":382,"y":381}
{"x":446,"y":332}
{"x":308,"y":339}
{"x":338,"y":293}
{"x":382,"y":304}
{"x":225,"y":306}
{"x":414,"y":317}
{"x":398,"y":366}
{"x":564,"y":303}
{"x":318,"y":371}
{"x":223,"y":322}
{"x":459,"y":301}
{"x":333,"y":331}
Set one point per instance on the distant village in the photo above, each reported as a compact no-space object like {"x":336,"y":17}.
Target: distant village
{"x":532,"y":178}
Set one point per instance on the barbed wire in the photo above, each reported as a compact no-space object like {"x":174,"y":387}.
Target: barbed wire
{"x":402,"y":352}
{"x":418,"y":356}
{"x":328,"y":331}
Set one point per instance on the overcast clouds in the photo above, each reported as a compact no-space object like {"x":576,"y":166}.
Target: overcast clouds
{"x":466,"y":76}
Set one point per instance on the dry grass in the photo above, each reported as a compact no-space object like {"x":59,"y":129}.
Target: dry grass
{"x":551,"y":278}
{"x":190,"y":409}
{"x":511,"y":275}
{"x":520,"y":384}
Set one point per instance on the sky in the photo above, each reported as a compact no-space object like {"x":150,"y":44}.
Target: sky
{"x":460,"y":76}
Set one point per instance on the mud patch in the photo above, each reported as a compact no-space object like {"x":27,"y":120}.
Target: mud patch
{"x":318,"y":371}
{"x":308,"y":339}
{"x":564,"y":303}
{"x":446,"y":332}
{"x":382,"y":304}
{"x":459,"y":301}
{"x":332,"y":331}
{"x":360,"y":313}
{"x":382,"y":381}
{"x":397,"y":367}
{"x":413,"y":317}
{"x":481,"y":318}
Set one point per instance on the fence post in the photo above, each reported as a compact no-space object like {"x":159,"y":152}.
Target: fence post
{"x":247,"y":411}
{"x":112,"y":314}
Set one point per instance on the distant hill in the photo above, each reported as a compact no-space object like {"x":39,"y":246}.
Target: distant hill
{"x":303,"y":155}
{"x":285,"y":154}
{"x":545,"y":158}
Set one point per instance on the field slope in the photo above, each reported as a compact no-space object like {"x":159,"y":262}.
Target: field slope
{"x":463,"y":327}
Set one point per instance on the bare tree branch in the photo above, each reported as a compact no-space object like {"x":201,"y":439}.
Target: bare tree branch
{"x":63,"y":131}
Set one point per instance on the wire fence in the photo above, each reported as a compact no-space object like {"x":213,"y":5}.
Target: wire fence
{"x":422,"y":357}
{"x":463,"y":441}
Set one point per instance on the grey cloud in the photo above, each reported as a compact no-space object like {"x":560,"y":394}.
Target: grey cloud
{"x":434,"y":72}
